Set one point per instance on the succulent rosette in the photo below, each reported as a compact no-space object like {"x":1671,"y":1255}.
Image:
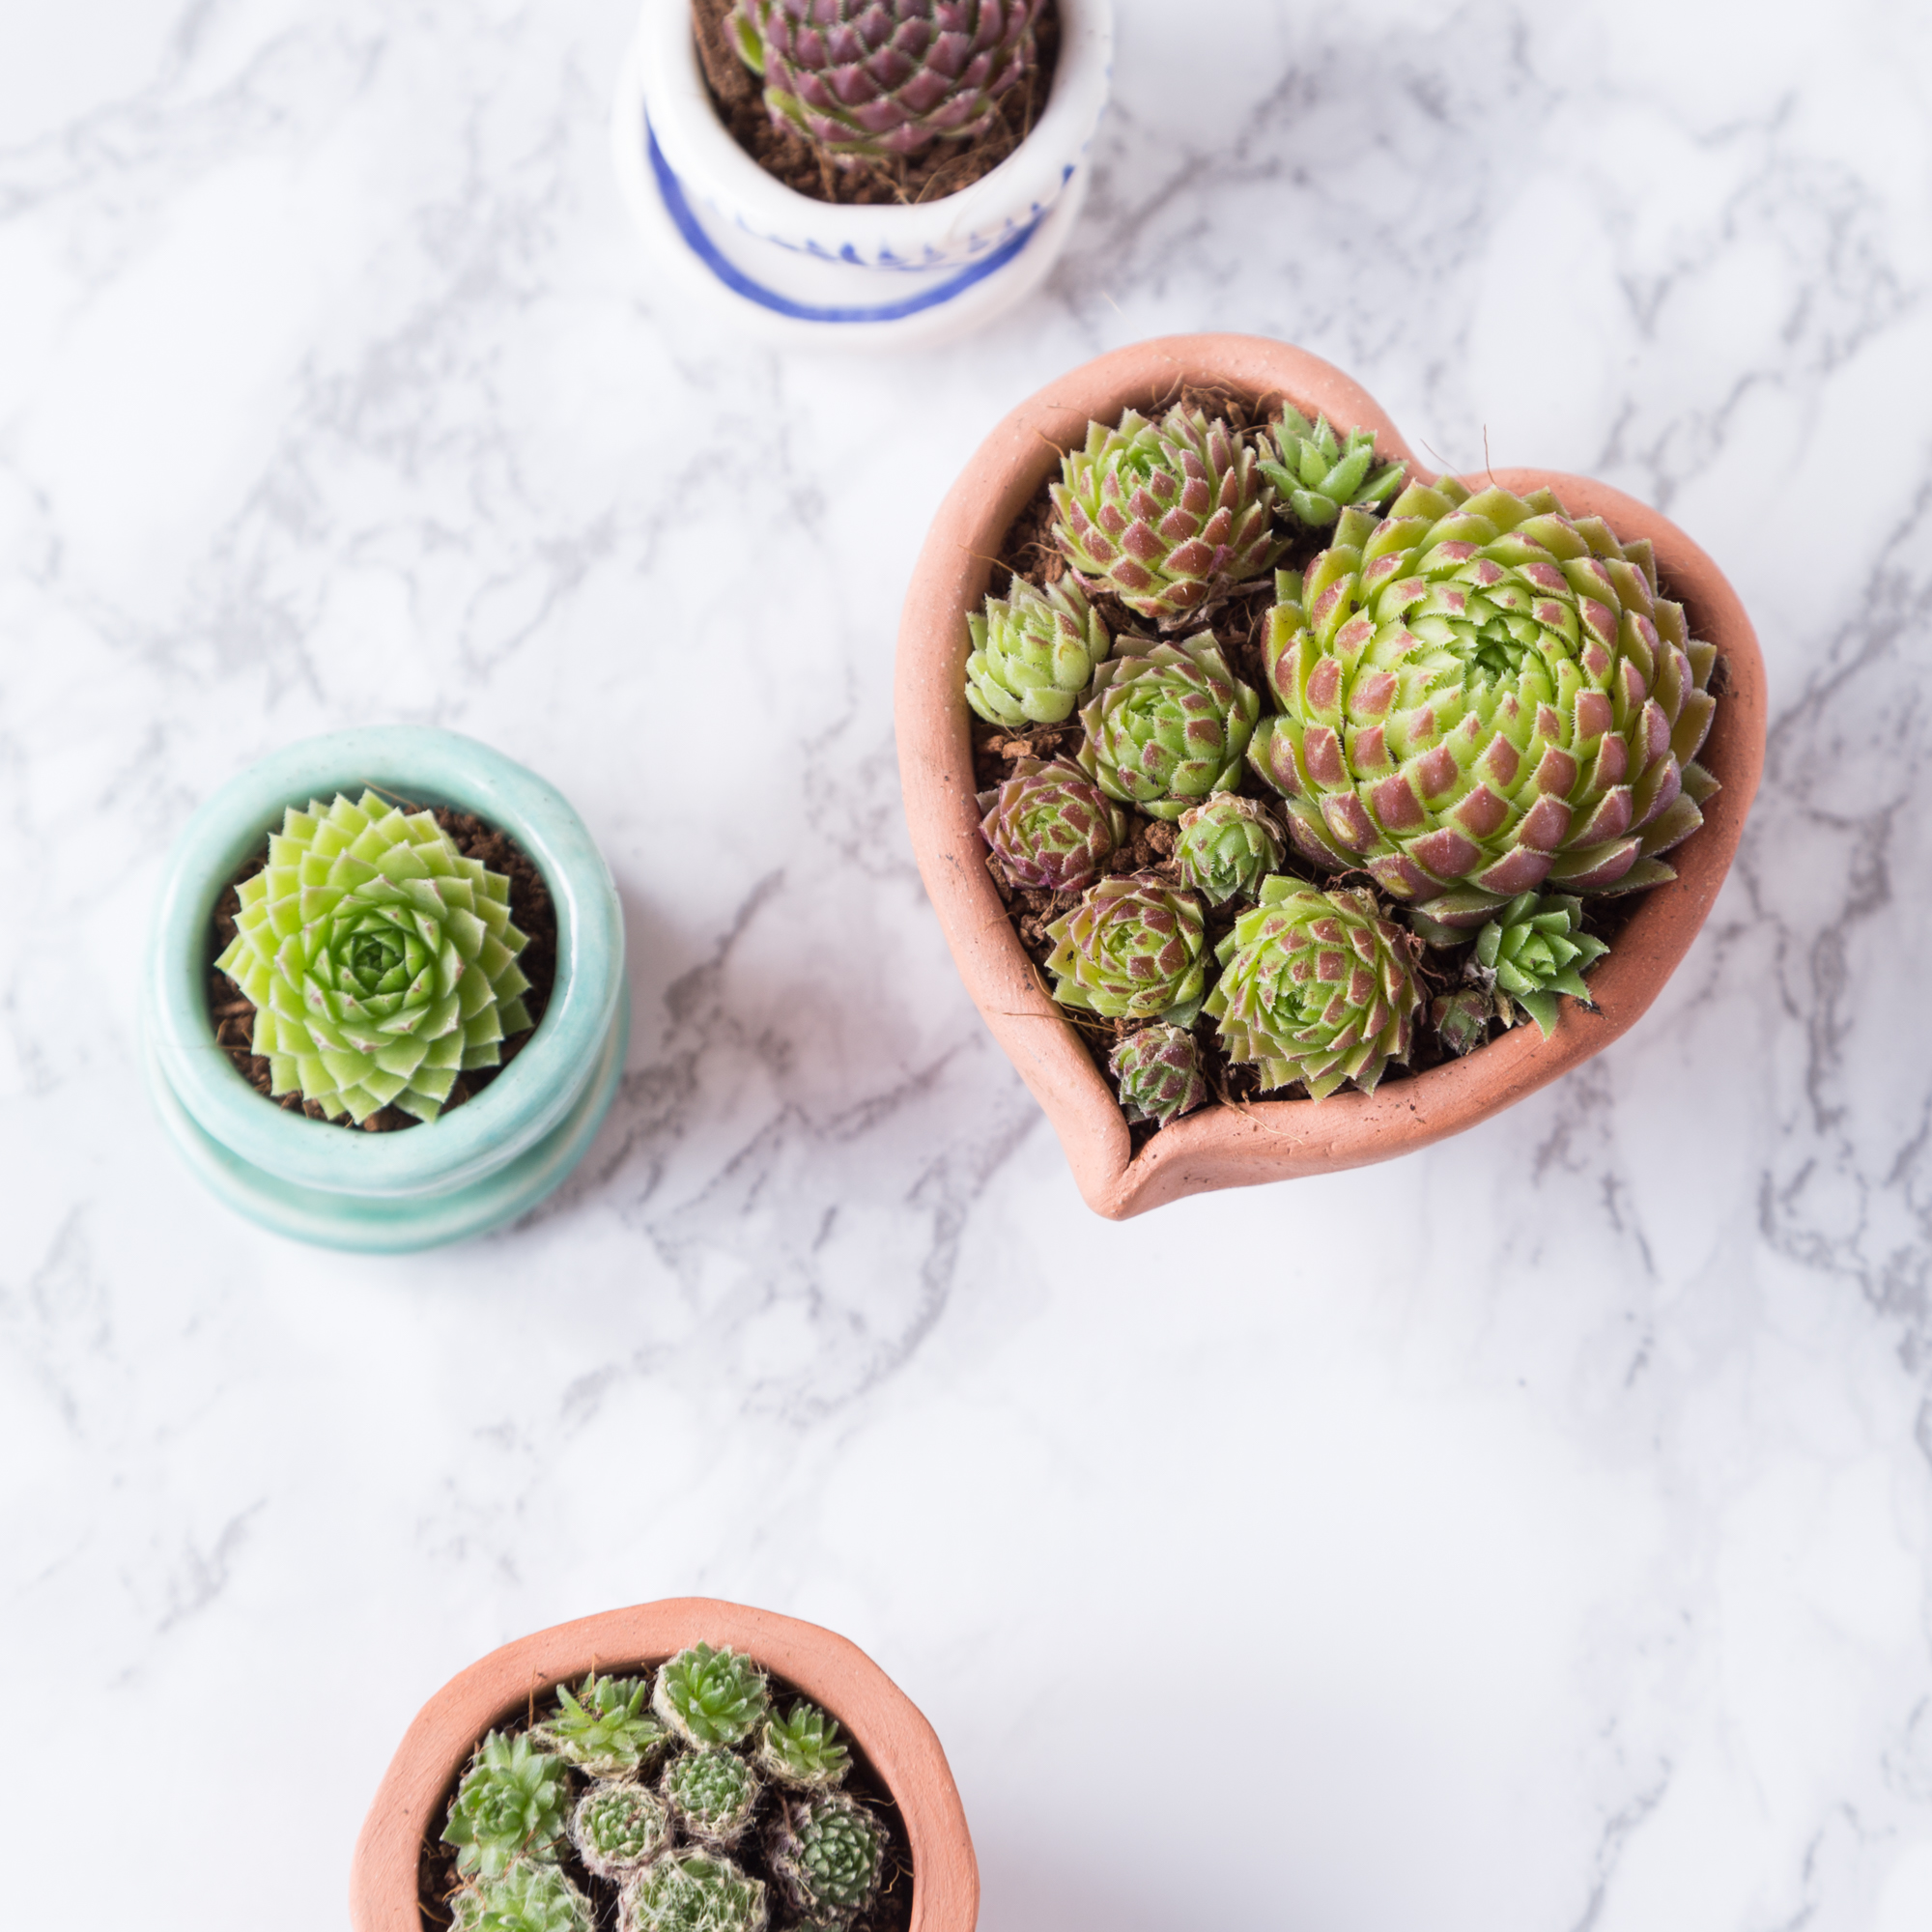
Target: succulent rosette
{"x":1034,"y":653}
{"x":1169,"y":517}
{"x":693,"y":1892}
{"x":1462,"y":1018}
{"x":380,"y":961}
{"x":528,"y":1897}
{"x":1481,"y":693}
{"x":874,"y":79}
{"x":1050,"y":825}
{"x":605,"y":1727}
{"x":802,"y":1749}
{"x":1226,"y":846}
{"x":712,"y":1793}
{"x":711,"y":1696}
{"x":509,"y":1805}
{"x":619,"y":1827}
{"x":1132,"y":949}
{"x":828,"y":1854}
{"x":1158,"y":1069}
{"x":1167,"y":728}
{"x":1316,"y":987}
{"x":1320,"y":475}
{"x":1534,"y":949}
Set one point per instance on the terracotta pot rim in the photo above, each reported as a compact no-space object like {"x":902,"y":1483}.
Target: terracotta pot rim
{"x":827,"y":1667}
{"x":1270,"y":1140}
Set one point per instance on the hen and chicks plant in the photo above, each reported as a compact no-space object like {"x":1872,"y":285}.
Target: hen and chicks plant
{"x":1485,"y":713}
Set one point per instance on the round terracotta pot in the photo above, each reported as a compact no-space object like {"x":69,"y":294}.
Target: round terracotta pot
{"x":415,"y":1789}
{"x":1272,"y":1140}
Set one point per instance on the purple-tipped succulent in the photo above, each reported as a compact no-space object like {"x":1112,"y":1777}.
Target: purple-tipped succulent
{"x":1158,"y":1069}
{"x":1169,"y":727}
{"x":1132,"y":949}
{"x":875,"y":80}
{"x":1050,"y":826}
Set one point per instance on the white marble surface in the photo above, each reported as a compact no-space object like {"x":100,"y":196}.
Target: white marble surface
{"x":1531,"y":1536}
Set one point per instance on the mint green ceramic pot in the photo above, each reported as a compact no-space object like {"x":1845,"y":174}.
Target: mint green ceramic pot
{"x":482,"y":1163}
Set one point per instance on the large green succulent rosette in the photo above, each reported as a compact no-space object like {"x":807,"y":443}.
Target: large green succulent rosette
{"x":510,"y":1807}
{"x":711,"y":1696}
{"x":1167,"y":728}
{"x":1316,"y":987}
{"x":380,"y":961}
{"x":1480,"y":693}
{"x":828,"y":1856}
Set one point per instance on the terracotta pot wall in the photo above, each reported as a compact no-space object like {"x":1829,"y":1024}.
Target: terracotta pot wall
{"x":828,"y":1669}
{"x":1276,"y":1139}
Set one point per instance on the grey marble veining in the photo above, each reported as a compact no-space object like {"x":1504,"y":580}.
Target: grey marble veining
{"x":1529,"y":1536}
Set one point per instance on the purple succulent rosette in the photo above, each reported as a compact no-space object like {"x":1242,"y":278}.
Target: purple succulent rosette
{"x":1132,"y":949}
{"x":1050,"y":826}
{"x":1158,"y":1069}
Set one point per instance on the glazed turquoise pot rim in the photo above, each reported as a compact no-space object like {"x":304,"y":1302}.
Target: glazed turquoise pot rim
{"x":417,"y":765}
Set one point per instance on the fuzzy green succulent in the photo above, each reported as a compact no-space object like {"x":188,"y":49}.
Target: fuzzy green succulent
{"x":1534,"y":949}
{"x":510,"y":1805}
{"x":605,"y":1727}
{"x":617,"y":1827}
{"x":1168,"y":727}
{"x":1168,"y":516}
{"x":1034,"y":653}
{"x":1481,"y":693}
{"x":1320,"y":475}
{"x":1158,"y":1069}
{"x":381,"y":962}
{"x":693,"y":1892}
{"x":1227,"y":846}
{"x":802,"y":1749}
{"x":1132,"y":949}
{"x":712,"y":1793}
{"x":711,"y":1696}
{"x":1317,"y":987}
{"x":528,"y":1897}
{"x":877,"y":79}
{"x":828,"y":1856}
{"x":1050,"y":826}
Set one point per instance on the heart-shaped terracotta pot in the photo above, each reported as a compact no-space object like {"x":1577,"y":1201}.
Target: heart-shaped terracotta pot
{"x":415,"y":1796}
{"x":1275,"y":1140}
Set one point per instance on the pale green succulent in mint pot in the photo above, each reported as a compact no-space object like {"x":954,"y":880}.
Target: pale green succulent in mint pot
{"x":802,"y":1749}
{"x":1320,"y":475}
{"x":606,"y":1727}
{"x":692,"y":1892}
{"x":619,"y":1827}
{"x":510,"y":1805}
{"x":711,"y":1696}
{"x":1034,"y":653}
{"x":380,"y":961}
{"x":712,"y":1793}
{"x":528,"y":1897}
{"x":828,"y":1856}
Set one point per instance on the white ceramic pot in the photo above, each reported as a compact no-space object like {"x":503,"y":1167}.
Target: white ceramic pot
{"x":482,"y":1163}
{"x":790,"y":269}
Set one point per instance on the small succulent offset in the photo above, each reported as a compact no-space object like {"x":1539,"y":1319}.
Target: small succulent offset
{"x":1132,"y":949}
{"x":381,"y":962}
{"x":510,"y":1805}
{"x":875,"y":80}
{"x":1227,"y":846}
{"x":692,"y":1892}
{"x":1481,"y":693}
{"x":1532,"y":950}
{"x":1319,"y":476}
{"x":828,"y":1854}
{"x":802,"y":1749}
{"x":1169,"y":517}
{"x":713,"y":1793}
{"x":617,"y":1827}
{"x":528,"y":1897}
{"x":1034,"y":653}
{"x":711,"y":1696}
{"x":1158,"y":1069}
{"x":1317,"y":987}
{"x":1167,"y":728}
{"x":605,"y":1727}
{"x":1050,"y":825}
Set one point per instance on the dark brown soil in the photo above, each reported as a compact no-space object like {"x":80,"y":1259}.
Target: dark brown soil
{"x":1240,"y":626}
{"x":891,"y":1912}
{"x":233,"y":1013}
{"x":784,"y":153}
